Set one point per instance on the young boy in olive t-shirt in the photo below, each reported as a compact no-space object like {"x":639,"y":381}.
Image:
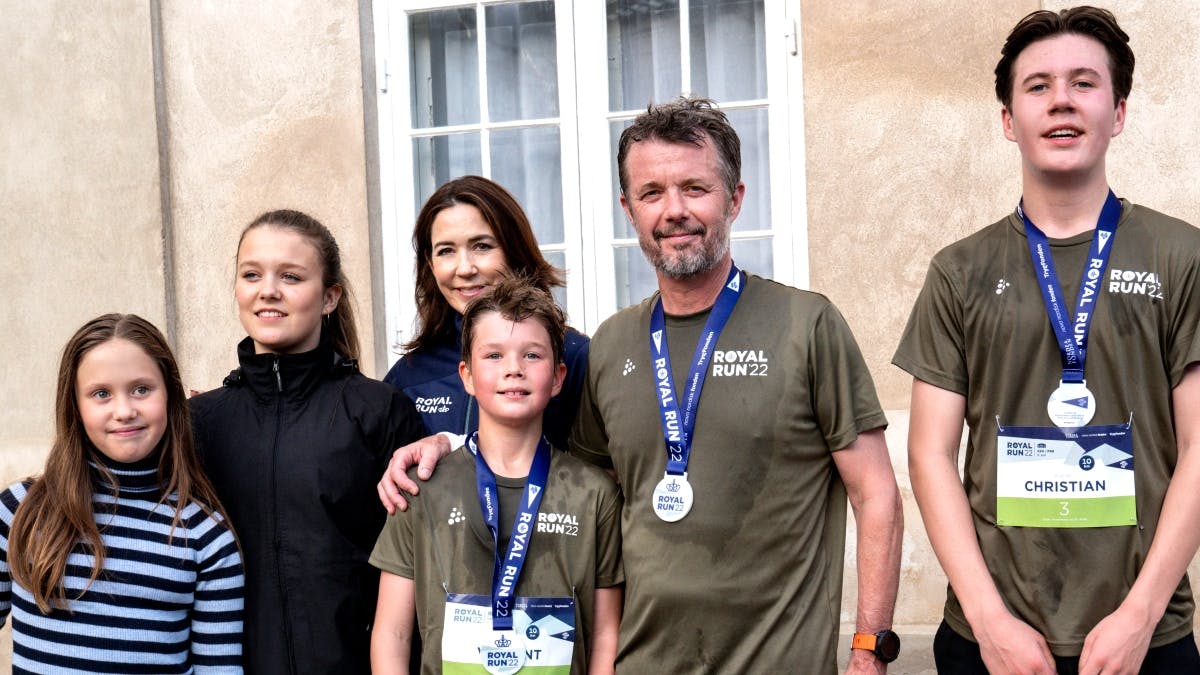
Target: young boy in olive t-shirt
{"x":510,"y":557}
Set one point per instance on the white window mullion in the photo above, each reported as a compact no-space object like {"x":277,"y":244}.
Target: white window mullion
{"x":485,"y":137}
{"x":785,"y":88}
{"x":596,"y":161}
{"x":578,"y":301}
{"x":685,"y":49}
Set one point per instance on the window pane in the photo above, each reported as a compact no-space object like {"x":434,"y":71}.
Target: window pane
{"x":728,"y":55}
{"x":643,"y":53}
{"x":621,"y":227}
{"x":445,"y":68}
{"x":754,"y":255}
{"x":751,"y":127}
{"x":528,"y":162}
{"x":437,"y":159}
{"x":559,"y":260}
{"x":635,"y":276}
{"x":522,"y":66}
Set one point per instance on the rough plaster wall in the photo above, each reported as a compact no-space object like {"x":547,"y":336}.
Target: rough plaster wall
{"x":79,"y":187}
{"x":265,"y":105}
{"x":904,"y":153}
{"x":80,"y":195}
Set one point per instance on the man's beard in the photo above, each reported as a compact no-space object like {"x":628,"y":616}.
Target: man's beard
{"x":687,"y":263}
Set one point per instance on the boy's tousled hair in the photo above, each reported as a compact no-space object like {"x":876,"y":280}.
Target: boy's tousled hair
{"x":1098,"y":24}
{"x":516,"y":299}
{"x":685,"y":120}
{"x":56,"y":516}
{"x":341,"y":330}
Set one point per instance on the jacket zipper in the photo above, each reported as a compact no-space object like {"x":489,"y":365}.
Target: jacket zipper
{"x":287,"y":624}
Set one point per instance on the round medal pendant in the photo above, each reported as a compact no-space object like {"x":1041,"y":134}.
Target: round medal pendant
{"x":1071,"y":405}
{"x":503,"y":654}
{"x":672,"y":498}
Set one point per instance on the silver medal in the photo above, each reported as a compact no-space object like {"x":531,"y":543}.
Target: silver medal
{"x":1071,"y":405}
{"x":672,"y":498}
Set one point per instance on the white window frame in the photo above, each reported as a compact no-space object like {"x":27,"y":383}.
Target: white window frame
{"x":583,"y":124}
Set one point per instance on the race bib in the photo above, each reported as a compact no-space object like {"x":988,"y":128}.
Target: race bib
{"x":542,"y":639}
{"x":1055,"y":477}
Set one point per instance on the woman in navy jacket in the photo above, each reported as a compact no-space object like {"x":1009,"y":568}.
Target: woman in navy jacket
{"x":470,"y":233}
{"x":293,"y":442}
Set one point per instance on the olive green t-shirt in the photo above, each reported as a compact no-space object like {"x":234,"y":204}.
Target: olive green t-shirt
{"x":980,"y":328}
{"x":750,"y":580}
{"x":442,"y":543}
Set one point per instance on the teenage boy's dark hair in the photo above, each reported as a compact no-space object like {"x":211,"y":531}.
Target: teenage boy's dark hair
{"x":685,"y":120}
{"x":1092,"y":22}
{"x":516,"y":299}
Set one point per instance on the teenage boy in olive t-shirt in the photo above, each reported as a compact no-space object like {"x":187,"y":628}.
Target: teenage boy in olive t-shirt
{"x":1066,"y":336}
{"x":513,"y":558}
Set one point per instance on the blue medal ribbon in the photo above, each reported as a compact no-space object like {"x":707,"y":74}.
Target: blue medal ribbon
{"x":507,"y":571}
{"x":1072,"y":333}
{"x":677,"y":423}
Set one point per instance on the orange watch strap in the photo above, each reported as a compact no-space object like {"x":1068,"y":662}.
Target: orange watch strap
{"x":865,"y":641}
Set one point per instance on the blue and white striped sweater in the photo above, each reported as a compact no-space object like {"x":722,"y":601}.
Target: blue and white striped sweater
{"x":164,"y":603}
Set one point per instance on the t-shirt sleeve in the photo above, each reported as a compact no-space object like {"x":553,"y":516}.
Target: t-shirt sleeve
{"x":609,"y":570}
{"x":1184,"y":347}
{"x":843,"y":392}
{"x":931,"y":348}
{"x":589,"y":439}
{"x":393,"y":550}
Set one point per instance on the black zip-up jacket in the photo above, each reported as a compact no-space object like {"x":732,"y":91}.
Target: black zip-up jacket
{"x":295,"y":445}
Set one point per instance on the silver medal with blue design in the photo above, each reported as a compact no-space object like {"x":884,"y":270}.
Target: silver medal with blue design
{"x":673,"y":497}
{"x":1072,"y":404}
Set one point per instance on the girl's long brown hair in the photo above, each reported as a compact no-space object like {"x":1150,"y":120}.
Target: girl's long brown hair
{"x":57,"y":512}
{"x":511,"y":228}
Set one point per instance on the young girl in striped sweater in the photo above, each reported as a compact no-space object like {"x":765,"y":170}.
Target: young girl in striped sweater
{"x":117,"y":559}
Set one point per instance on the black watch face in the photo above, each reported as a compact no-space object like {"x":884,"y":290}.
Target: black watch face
{"x":887,"y":646}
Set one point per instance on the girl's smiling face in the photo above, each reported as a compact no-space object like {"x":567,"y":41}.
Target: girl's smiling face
{"x":280,"y":291}
{"x":122,"y":400}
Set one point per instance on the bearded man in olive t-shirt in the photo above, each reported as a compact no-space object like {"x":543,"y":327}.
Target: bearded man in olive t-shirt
{"x":733,"y":526}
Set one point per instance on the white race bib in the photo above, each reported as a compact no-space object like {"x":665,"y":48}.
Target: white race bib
{"x":543,"y":636}
{"x":1054,"y":477}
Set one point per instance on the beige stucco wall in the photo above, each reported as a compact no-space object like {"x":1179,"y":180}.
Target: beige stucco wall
{"x":265,"y":110}
{"x":80,"y":238}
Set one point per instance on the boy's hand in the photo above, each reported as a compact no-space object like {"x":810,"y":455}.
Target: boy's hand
{"x":425,"y":453}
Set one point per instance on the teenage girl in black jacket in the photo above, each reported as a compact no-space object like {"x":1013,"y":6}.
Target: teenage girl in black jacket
{"x":294,"y":442}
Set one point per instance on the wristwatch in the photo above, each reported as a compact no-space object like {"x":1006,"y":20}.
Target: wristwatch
{"x":885,"y":644}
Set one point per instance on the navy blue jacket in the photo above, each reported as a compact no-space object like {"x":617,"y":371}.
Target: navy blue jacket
{"x":430,"y":378}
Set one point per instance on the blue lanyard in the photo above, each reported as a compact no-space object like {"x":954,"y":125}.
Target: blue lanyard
{"x":678,"y":425}
{"x":1072,"y":334}
{"x":508,"y":571}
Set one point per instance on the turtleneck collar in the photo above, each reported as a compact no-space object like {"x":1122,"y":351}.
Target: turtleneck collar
{"x":139,"y":476}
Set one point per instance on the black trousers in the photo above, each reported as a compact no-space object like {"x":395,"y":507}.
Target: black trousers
{"x":954,"y":654}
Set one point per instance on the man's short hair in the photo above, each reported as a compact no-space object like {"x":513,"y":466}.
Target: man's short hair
{"x":516,"y":298}
{"x":1098,"y":24}
{"x":685,"y":120}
